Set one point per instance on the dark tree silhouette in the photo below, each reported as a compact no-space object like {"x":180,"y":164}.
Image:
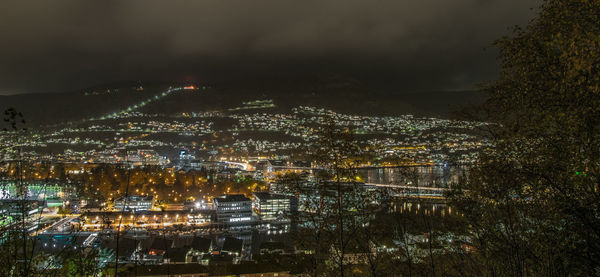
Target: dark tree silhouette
{"x":532,"y":200}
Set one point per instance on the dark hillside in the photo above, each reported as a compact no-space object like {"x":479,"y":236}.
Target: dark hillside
{"x":340,"y":95}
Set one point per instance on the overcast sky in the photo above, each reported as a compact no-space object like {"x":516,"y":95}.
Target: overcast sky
{"x":402,"y":45}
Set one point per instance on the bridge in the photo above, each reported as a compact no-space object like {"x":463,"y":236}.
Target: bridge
{"x":413,"y":191}
{"x":243,"y":166}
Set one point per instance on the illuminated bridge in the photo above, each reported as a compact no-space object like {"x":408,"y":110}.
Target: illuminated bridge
{"x":413,"y":191}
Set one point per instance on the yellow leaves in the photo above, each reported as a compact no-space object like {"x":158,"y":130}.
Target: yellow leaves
{"x":527,"y":189}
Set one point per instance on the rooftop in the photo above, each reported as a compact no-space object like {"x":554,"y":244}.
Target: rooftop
{"x":231,"y":198}
{"x":136,"y":198}
{"x":268,"y":195}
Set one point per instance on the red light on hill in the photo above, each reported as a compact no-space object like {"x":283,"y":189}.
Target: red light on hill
{"x":189,"y":87}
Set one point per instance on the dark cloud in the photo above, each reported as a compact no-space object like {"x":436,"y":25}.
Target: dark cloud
{"x":400,"y":45}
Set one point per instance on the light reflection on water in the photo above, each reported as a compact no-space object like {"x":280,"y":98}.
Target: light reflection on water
{"x":429,"y":209}
{"x":429,"y":176}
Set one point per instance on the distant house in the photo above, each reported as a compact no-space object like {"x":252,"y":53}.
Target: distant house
{"x":179,"y":250}
{"x":127,"y":248}
{"x":178,"y":255}
{"x":230,"y":251}
{"x":160,"y":245}
{"x":232,"y":246}
{"x":190,"y":249}
{"x":153,"y":249}
{"x":201,"y":246}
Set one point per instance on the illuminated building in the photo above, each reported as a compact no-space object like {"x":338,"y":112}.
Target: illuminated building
{"x":146,"y":219}
{"x":145,"y":157}
{"x":35,"y":191}
{"x":134,"y":203}
{"x":233,"y":209}
{"x":268,"y":206}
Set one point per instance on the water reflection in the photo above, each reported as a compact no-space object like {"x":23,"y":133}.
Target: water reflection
{"x":429,"y":209}
{"x":429,"y":176}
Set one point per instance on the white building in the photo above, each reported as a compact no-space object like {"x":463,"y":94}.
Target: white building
{"x":233,"y":209}
{"x":134,"y":203}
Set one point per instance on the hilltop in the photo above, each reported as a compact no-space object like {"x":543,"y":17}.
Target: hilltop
{"x":340,"y":95}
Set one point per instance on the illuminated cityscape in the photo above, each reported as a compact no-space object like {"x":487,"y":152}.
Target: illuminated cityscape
{"x":184,"y":188}
{"x":313,"y":138}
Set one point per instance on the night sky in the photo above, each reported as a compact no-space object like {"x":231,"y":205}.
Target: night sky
{"x":395,"y":45}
